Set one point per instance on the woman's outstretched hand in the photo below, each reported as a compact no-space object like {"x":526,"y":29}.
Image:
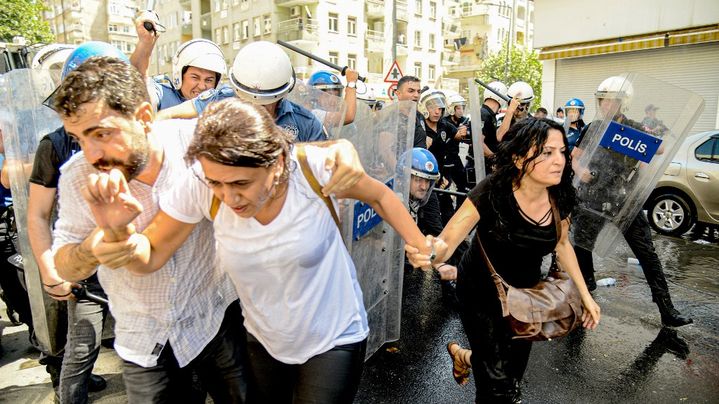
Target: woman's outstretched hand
{"x":592,"y":313}
{"x":418,"y":259}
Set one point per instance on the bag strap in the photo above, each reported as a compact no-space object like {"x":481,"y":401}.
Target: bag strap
{"x":500,"y":283}
{"x":214,"y":207}
{"x":314,"y":184}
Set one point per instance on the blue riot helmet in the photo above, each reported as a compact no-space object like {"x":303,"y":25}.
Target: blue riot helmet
{"x":425,"y":173}
{"x":574,"y":110}
{"x":88,"y":50}
{"x":326,"y":81}
{"x":81,"y":54}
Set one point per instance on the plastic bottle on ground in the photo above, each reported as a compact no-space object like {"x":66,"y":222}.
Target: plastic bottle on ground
{"x":607,"y":282}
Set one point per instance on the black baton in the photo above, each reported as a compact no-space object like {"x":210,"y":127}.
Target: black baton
{"x":446,"y":191}
{"x":81,"y":293}
{"x":483,"y":84}
{"x":340,"y":69}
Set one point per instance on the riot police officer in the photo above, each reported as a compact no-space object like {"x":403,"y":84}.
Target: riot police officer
{"x":197,"y":65}
{"x":612,"y":97}
{"x":522,"y":96}
{"x":331,"y":83}
{"x":574,"y":113}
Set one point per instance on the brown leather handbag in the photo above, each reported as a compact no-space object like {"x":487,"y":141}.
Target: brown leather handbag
{"x":550,"y":309}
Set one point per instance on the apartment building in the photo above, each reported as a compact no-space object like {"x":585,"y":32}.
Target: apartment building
{"x":477,"y":28}
{"x":76,"y":21}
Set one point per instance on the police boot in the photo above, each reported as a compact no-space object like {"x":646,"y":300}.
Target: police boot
{"x":96,"y":383}
{"x":670,"y":316}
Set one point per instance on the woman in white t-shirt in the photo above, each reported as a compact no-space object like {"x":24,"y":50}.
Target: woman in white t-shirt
{"x":303,"y":308}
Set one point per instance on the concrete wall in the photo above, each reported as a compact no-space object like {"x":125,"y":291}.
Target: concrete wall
{"x":561,"y":22}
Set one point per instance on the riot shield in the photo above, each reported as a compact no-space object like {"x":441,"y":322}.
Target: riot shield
{"x":622,"y":157}
{"x":363,"y":115}
{"x":329,"y":109}
{"x":24,"y":121}
{"x":475,"y":111}
{"x":376,"y":249}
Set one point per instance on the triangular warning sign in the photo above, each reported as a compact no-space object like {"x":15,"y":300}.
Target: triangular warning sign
{"x":394,"y":73}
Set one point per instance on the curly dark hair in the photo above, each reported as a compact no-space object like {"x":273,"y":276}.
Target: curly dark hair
{"x":239,"y":134}
{"x":526,"y":138}
{"x":110,"y":80}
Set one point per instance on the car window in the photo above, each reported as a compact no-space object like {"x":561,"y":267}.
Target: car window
{"x":708,"y":151}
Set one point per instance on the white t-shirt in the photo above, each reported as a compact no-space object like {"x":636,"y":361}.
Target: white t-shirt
{"x":296,"y":281}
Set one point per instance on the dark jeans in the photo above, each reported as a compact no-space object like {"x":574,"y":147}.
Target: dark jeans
{"x":498,"y":361}
{"x":84,"y":334}
{"x":330,"y":377}
{"x":639,"y":238}
{"x":220,"y":366}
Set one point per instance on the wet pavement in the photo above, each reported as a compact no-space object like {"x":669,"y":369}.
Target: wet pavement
{"x":630,"y":358}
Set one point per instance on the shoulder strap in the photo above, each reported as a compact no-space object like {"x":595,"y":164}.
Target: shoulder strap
{"x":557,"y":218}
{"x":214,"y":206}
{"x":499,"y":283}
{"x":309,"y":175}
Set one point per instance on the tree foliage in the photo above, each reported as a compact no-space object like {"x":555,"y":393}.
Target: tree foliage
{"x":24,"y":18}
{"x":524,"y":65}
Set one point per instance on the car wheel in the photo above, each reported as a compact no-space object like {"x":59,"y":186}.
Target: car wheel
{"x":670,"y":214}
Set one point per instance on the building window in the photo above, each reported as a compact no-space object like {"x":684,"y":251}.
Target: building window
{"x":431,"y":42}
{"x":417,"y":39}
{"x":335,"y":58}
{"x":235,"y":2}
{"x":430,"y":72}
{"x":334,"y":23}
{"x":245,"y":29}
{"x":418,"y":69}
{"x":112,"y":28}
{"x":418,"y":7}
{"x":352,"y":26}
{"x":216,"y":5}
{"x":236,"y":31}
{"x":433,"y":10}
{"x":352,"y":61}
{"x":225,"y":35}
{"x":268,"y":24}
{"x":218,"y":35}
{"x":257,"y":29}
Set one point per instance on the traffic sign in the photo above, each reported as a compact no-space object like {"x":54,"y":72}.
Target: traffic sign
{"x":394,"y":73}
{"x":392,"y":91}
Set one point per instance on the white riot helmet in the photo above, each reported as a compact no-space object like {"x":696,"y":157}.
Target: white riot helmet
{"x":616,"y":87}
{"x":522,"y":91}
{"x":455,"y":100}
{"x":200,"y":53}
{"x":262,"y":73}
{"x":497,"y":86}
{"x":431,"y":98}
{"x":52,"y":56}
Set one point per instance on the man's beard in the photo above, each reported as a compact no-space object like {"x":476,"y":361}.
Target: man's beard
{"x":131,"y":168}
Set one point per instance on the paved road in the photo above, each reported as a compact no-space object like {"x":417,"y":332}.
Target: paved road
{"x":629,"y":358}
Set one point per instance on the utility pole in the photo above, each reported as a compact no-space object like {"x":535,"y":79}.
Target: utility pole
{"x":394,"y":30}
{"x":510,"y":44}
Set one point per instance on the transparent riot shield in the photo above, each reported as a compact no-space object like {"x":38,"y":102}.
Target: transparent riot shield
{"x":623,"y":155}
{"x":329,"y":109}
{"x":475,"y":111}
{"x":24,"y":121}
{"x":363,"y":114}
{"x":376,"y":249}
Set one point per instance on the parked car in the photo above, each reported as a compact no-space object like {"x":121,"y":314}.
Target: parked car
{"x":688,"y":192}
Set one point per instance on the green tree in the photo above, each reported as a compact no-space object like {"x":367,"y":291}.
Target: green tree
{"x":524,"y":65}
{"x":24,"y":18}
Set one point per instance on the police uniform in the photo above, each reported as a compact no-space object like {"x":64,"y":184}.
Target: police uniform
{"x":446,"y":149}
{"x":574,"y":133}
{"x":167,"y":95}
{"x":292,"y":118}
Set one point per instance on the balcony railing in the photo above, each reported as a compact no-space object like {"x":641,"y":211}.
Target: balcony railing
{"x":375,"y":8}
{"x":298,"y":29}
{"x":375,"y":40}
